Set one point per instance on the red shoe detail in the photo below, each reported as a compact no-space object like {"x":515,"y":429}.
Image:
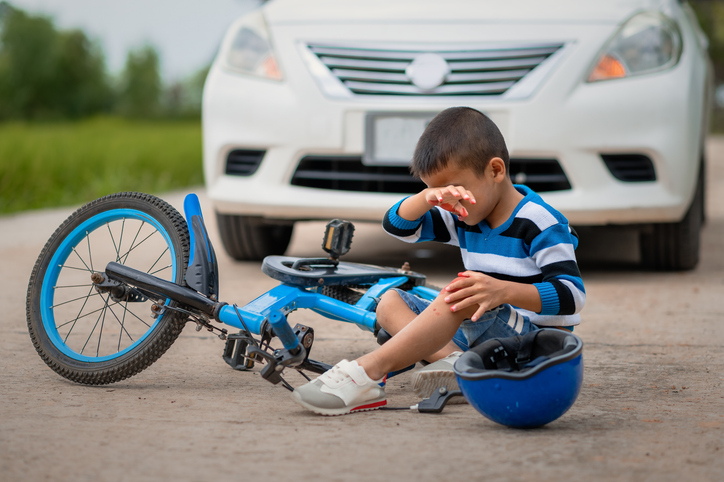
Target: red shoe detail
{"x":369,"y":406}
{"x":383,"y":382}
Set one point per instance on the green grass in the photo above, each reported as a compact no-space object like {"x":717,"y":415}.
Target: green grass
{"x":67,"y":163}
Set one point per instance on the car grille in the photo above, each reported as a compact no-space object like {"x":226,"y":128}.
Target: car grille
{"x":482,"y":71}
{"x":630,"y":167}
{"x":243,"y":162}
{"x":348,"y":173}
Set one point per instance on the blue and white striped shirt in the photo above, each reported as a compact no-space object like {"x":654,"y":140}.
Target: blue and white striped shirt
{"x":535,"y":246}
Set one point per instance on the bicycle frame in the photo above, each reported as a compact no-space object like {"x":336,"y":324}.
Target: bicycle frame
{"x":280,"y":301}
{"x":267,"y":314}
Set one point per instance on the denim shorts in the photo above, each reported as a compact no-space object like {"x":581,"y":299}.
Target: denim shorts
{"x":500,"y":322}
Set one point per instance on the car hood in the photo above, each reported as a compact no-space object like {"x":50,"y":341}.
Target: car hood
{"x":446,"y":11}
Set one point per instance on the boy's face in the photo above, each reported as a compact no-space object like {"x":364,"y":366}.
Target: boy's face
{"x":484,"y":189}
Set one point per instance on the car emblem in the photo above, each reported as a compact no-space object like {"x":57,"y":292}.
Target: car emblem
{"x":428,"y":71}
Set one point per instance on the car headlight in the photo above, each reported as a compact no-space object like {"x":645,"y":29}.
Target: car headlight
{"x":250,"y":51}
{"x":647,"y":42}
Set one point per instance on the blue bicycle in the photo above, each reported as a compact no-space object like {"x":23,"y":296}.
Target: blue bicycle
{"x":120,"y":278}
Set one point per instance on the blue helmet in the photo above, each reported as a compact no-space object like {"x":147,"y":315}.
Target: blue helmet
{"x":523,"y":381}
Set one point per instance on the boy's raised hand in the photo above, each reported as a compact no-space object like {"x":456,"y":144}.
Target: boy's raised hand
{"x":472,"y":288}
{"x":448,"y":198}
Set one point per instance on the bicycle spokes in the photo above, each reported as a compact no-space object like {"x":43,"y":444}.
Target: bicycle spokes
{"x":90,"y":322}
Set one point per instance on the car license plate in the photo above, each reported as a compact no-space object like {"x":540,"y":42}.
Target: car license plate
{"x":390,"y":138}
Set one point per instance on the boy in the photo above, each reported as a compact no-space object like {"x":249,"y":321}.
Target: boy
{"x":518,"y":252}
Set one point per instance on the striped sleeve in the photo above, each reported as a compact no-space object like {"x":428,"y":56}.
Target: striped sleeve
{"x":435,"y":225}
{"x":553,"y":250}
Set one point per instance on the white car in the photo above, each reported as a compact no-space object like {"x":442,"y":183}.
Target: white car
{"x":312,"y":110}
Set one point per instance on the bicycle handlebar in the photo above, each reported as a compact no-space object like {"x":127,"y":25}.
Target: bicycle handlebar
{"x":284,"y":332}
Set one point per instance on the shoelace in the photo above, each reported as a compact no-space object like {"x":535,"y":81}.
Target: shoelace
{"x":336,"y":374}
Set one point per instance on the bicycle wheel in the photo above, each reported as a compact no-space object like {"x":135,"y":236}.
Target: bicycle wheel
{"x":83,"y":334}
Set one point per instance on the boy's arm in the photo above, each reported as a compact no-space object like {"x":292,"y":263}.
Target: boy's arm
{"x":561,"y":290}
{"x":413,"y":208}
{"x":413,"y":219}
{"x":448,"y":198}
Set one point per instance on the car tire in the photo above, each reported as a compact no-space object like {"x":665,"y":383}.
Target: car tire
{"x":248,"y":238}
{"x":675,"y":246}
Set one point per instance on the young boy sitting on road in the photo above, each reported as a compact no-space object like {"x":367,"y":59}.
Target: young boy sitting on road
{"x":521,"y":270}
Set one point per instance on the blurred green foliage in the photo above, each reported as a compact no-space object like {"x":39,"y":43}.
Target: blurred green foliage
{"x":70,"y":133}
{"x":140,"y":92}
{"x":47,"y":74}
{"x":183,"y":99}
{"x":48,"y":164}
{"x":710,"y":14}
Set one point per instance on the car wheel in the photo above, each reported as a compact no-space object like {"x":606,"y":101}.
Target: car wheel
{"x":248,"y":238}
{"x":675,"y":246}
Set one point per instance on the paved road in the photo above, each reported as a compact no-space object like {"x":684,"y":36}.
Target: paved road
{"x":651,"y":408}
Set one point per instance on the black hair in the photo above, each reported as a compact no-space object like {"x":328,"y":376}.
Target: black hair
{"x":461,"y":135}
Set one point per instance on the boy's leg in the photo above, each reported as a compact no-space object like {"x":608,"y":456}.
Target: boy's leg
{"x":424,"y":337}
{"x":394,"y":313}
{"x":359,"y":385}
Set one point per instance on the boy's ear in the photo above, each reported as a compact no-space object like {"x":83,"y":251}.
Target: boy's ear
{"x":497,"y":167}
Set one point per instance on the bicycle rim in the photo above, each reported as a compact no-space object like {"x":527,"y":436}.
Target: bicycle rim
{"x":88,"y":326}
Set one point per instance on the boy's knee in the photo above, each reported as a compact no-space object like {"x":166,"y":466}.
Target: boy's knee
{"x":386,"y":304}
{"x":389,"y":297}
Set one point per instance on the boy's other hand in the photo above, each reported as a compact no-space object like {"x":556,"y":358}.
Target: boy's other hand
{"x":449,"y":198}
{"x":472,"y":288}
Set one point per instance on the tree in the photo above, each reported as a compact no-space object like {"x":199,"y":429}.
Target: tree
{"x":183,"y":99}
{"x":81,"y":81}
{"x":711,"y":18}
{"x":27,"y":65}
{"x":141,"y":87}
{"x":46,"y":73}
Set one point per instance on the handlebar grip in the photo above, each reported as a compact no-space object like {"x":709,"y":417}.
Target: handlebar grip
{"x":284,"y":332}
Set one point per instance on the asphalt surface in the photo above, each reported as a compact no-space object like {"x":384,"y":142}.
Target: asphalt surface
{"x":651,"y":406}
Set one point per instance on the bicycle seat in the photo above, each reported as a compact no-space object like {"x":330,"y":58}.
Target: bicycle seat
{"x":308,"y":272}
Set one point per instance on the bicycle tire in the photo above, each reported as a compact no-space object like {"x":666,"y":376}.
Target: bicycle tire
{"x":134,"y":339}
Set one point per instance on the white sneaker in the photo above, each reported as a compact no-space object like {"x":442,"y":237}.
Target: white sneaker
{"x":439,"y":374}
{"x":343,"y":389}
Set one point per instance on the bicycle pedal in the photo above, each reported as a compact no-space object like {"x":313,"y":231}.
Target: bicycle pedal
{"x":235,"y":352}
{"x":437,"y":401}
